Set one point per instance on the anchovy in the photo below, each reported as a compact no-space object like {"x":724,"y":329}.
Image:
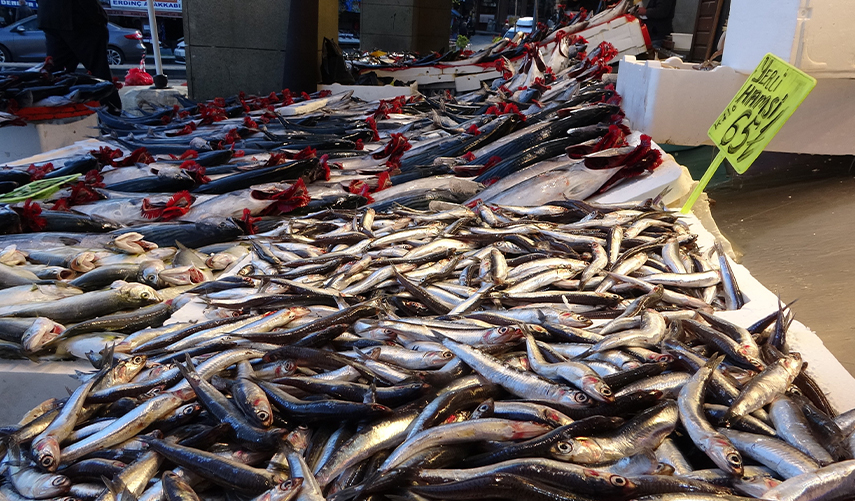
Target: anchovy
{"x":645,"y":432}
{"x":787,"y":461}
{"x":714,"y":444}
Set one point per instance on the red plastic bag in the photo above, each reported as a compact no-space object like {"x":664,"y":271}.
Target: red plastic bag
{"x":137,"y":76}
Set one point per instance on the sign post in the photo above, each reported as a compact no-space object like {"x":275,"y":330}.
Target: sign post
{"x":772,"y":93}
{"x":160,"y":80}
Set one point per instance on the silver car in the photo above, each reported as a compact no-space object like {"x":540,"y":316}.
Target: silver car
{"x":24,"y":41}
{"x":180,"y":52}
{"x":523,"y":25}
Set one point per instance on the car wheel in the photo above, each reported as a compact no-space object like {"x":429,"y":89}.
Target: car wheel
{"x":114,"y":56}
{"x":5,"y":55}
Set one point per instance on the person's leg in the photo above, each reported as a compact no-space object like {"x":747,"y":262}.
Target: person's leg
{"x":59,"y":50}
{"x":90,"y":46}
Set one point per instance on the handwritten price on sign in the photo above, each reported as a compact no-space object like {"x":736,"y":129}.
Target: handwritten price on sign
{"x":767,"y":99}
{"x":758,"y":111}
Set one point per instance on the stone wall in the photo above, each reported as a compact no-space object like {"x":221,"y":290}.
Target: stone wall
{"x":245,"y":46}
{"x":415,"y":25}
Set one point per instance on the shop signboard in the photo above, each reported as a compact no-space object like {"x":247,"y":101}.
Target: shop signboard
{"x":14,"y":3}
{"x":160,"y":6}
{"x":763,"y":104}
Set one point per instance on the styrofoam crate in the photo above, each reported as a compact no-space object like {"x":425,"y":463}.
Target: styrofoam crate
{"x":669,"y":175}
{"x":407,"y":74}
{"x":676,"y":104}
{"x":373,"y":92}
{"x":468,"y":83}
{"x":813,"y":35}
{"x":682,"y":41}
{"x":22,"y":142}
{"x":26,"y":384}
{"x":624,"y":33}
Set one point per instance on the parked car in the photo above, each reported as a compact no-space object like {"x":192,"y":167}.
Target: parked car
{"x":180,"y":52}
{"x":147,"y":40}
{"x":23,"y":41}
{"x":524,"y":25}
{"x":348,"y":40}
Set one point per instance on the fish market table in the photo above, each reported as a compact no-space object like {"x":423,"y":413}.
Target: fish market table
{"x":361,"y":310}
{"x":25,"y":384}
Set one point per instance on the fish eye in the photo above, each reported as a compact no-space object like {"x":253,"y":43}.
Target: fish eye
{"x":262,"y":415}
{"x":484,"y":408}
{"x":57,"y":481}
{"x":734,"y":459}
{"x":581,"y":397}
{"x":502,"y":330}
{"x":137,"y":360}
{"x":606,"y":391}
{"x":47,"y":461}
{"x":447,"y":354}
{"x":285,"y":486}
{"x":188,"y":410}
{"x":145,"y":294}
{"x":564,"y":447}
{"x":618,"y":481}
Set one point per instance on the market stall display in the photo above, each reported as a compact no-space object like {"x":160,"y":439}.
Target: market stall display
{"x":39,"y":94}
{"x":407,"y":303}
{"x":464,"y":70}
{"x":316,"y":297}
{"x":41,"y":110}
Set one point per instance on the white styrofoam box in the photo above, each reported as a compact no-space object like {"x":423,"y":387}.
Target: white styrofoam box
{"x":833,"y":379}
{"x":668,"y":175}
{"x":676,"y":104}
{"x":22,"y":142}
{"x":813,"y":35}
{"x":135,"y":95}
{"x":682,"y":41}
{"x":75,"y":149}
{"x":435,"y":79}
{"x":468,"y":69}
{"x":372,"y":92}
{"x":468,"y":83}
{"x":26,"y":384}
{"x":624,"y":33}
{"x":408,"y":74}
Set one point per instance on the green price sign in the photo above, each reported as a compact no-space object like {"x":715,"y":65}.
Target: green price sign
{"x":758,"y":111}
{"x":765,"y":102}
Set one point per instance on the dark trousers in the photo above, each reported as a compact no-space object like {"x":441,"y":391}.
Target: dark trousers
{"x":68,"y":48}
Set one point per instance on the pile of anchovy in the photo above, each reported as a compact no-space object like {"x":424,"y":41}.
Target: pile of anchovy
{"x":314,"y":297}
{"x":569,"y":351}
